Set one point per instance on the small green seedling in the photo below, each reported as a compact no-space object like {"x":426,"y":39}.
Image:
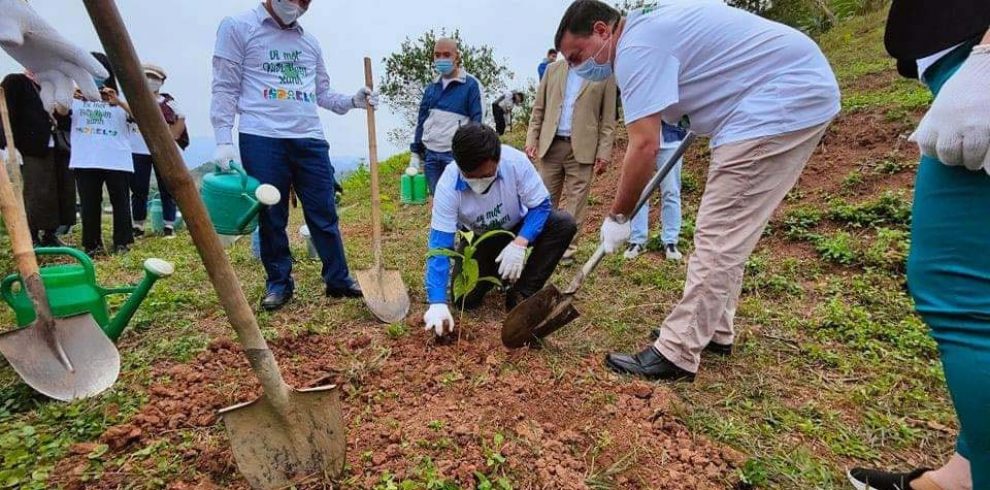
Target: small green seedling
{"x":468,"y":278}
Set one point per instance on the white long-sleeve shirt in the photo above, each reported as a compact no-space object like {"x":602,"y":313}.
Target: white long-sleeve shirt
{"x":273,"y":78}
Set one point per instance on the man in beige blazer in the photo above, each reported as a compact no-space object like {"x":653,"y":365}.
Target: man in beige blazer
{"x":570,"y":136}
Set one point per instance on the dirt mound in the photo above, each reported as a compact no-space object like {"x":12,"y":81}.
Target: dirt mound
{"x":458,"y":413}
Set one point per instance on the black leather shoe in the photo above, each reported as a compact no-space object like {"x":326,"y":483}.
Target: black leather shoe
{"x":50,"y":239}
{"x":716,"y":348}
{"x":649,"y":364}
{"x":275,"y":301}
{"x":352,"y":291}
{"x":513,"y":298}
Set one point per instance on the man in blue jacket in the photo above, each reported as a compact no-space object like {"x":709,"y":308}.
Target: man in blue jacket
{"x":551,"y":57}
{"x":450,"y":102}
{"x":493,"y":187}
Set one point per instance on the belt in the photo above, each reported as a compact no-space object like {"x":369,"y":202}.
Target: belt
{"x":562,"y":138}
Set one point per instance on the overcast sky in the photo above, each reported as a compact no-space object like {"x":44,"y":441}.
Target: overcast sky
{"x":179,"y":35}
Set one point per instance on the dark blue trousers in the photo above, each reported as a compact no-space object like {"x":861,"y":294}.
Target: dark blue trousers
{"x":303,"y":164}
{"x":433,"y":166}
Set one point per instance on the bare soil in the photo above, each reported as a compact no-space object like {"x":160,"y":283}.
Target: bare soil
{"x":407,"y":397}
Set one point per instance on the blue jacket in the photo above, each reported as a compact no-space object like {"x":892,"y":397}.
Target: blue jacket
{"x":443,"y":110}
{"x":542,"y":69}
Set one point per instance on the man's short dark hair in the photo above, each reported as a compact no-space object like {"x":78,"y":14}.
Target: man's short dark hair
{"x":581,"y":17}
{"x":475,"y":144}
{"x":551,"y":52}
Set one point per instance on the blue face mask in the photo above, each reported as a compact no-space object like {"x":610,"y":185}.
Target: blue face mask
{"x":594,"y":71}
{"x":100,"y":83}
{"x":444,"y":66}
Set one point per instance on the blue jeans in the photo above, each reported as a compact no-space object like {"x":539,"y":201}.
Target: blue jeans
{"x":434,"y":164}
{"x":670,"y":212}
{"x":303,"y":164}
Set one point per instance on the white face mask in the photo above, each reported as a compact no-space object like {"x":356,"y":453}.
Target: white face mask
{"x":287,"y":11}
{"x":479,"y":186}
{"x":155,"y":84}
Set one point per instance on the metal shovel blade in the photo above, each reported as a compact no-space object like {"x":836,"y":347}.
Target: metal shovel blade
{"x":95,"y":362}
{"x":273,"y":451}
{"x":538,"y":316}
{"x":384,"y":293}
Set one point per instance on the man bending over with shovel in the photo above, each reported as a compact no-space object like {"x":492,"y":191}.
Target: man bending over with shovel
{"x":493,"y":187}
{"x":763,"y":91}
{"x":268,"y":70}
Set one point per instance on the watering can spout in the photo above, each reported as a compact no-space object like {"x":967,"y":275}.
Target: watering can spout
{"x":266,"y":195}
{"x":154,"y":269}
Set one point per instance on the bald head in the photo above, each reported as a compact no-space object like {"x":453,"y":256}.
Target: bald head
{"x":447,"y":49}
{"x":447,"y":44}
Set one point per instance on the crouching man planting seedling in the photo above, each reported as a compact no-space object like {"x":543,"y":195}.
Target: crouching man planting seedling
{"x":491,"y":187}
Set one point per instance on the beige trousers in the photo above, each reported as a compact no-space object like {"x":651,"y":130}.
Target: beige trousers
{"x":746,"y":183}
{"x":565,"y":176}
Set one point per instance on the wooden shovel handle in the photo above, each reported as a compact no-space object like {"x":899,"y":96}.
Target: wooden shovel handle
{"x":15,"y":219}
{"x":119,"y":48}
{"x":376,"y":204}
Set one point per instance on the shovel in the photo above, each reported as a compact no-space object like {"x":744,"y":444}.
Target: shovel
{"x":286,"y":434}
{"x":384,"y":292}
{"x":64,"y":359}
{"x":550,"y":309}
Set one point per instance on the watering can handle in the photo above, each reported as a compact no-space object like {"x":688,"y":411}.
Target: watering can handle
{"x":236,"y":167}
{"x":84,"y":260}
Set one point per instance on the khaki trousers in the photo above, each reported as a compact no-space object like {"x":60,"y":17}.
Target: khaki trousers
{"x":565,"y":176}
{"x":746,"y":183}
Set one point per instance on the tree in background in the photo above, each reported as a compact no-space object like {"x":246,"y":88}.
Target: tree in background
{"x":409,"y":70}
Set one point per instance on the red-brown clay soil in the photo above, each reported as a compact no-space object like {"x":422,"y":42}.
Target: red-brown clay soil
{"x":446,"y":402}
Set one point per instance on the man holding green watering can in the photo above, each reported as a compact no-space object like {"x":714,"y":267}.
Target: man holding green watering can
{"x":269,"y":71}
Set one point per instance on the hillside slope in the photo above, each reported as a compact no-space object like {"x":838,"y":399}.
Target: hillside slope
{"x":832,"y":369}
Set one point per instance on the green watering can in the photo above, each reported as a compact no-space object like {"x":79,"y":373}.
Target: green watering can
{"x":72,"y":290}
{"x":234,"y":199}
{"x":413,"y":188}
{"x":156,"y":213}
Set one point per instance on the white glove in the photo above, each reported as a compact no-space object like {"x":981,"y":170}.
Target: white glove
{"x":224,"y":155}
{"x":956,"y":129}
{"x":615,"y":235}
{"x":54,"y":61}
{"x":365,"y":97}
{"x":438,"y":319}
{"x":17,"y":156}
{"x":511,"y":261}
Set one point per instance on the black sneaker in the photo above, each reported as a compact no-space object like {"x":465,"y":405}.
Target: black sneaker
{"x":138,"y":232}
{"x":121,"y":249}
{"x":866,"y":479}
{"x":168,"y":232}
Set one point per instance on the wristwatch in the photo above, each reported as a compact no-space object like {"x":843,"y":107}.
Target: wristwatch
{"x":618,"y":218}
